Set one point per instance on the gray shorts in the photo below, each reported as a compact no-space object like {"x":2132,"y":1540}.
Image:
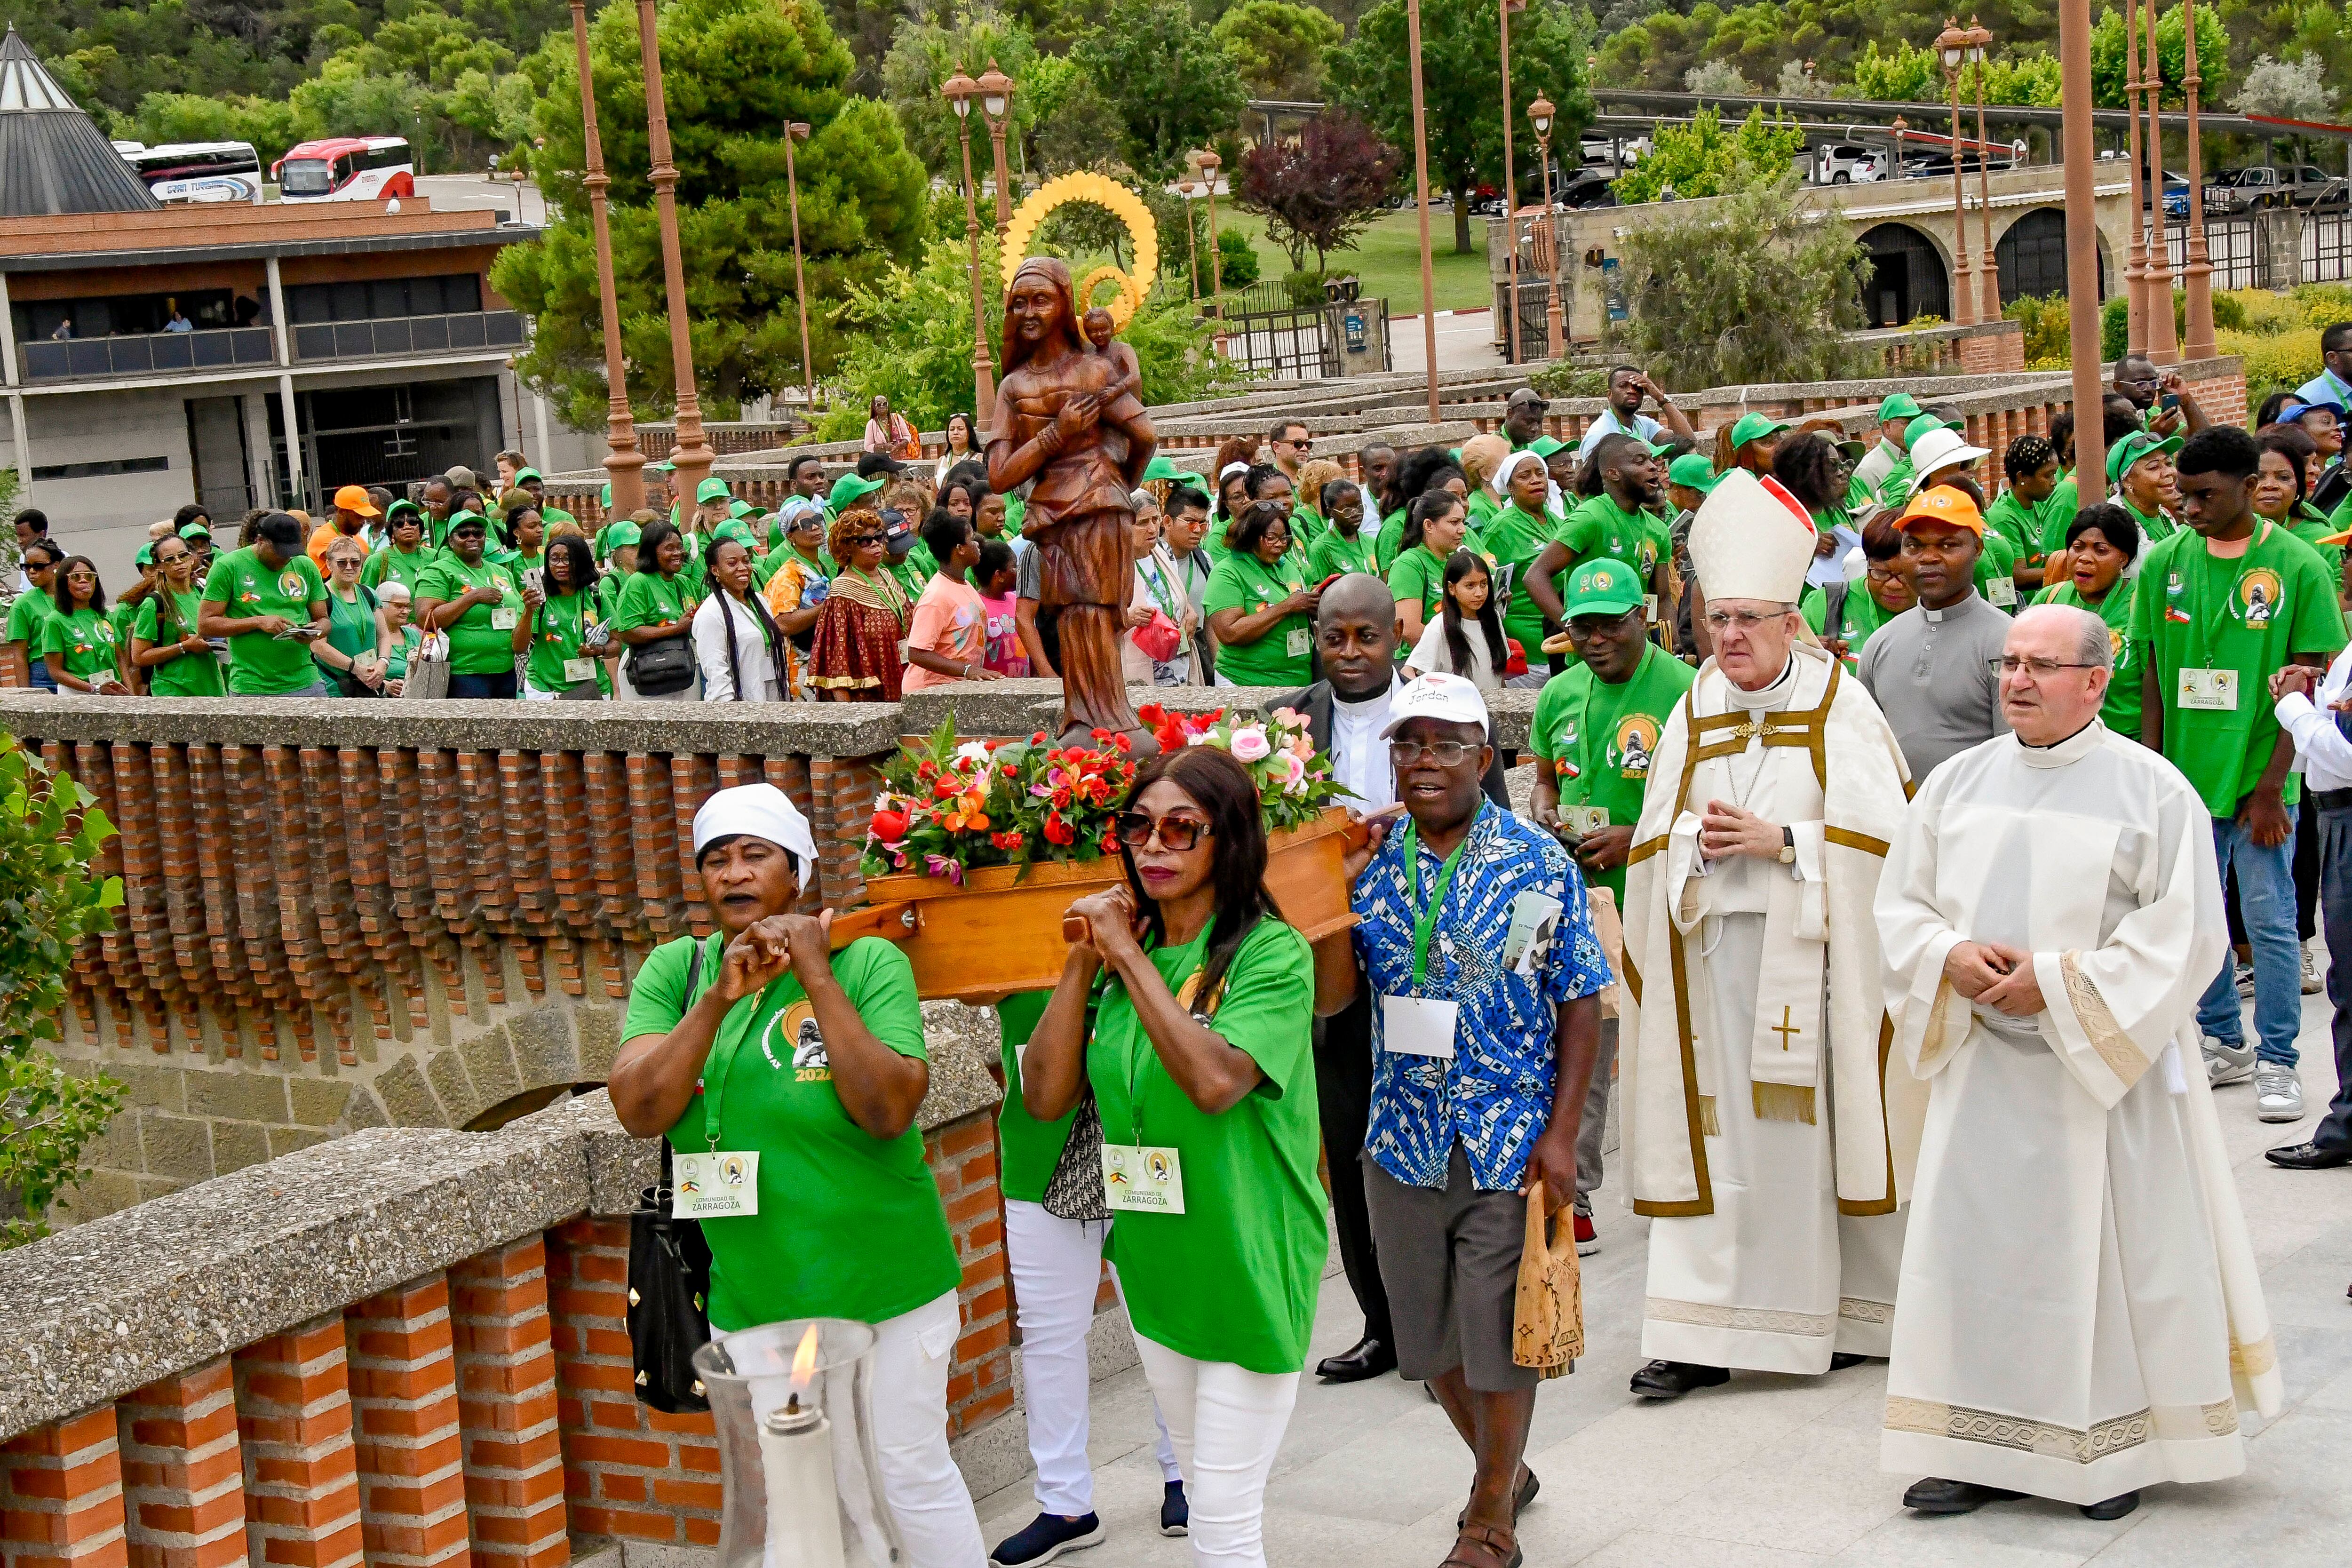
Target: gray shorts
{"x":1451,"y":1262}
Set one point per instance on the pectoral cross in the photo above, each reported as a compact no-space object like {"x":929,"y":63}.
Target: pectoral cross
{"x":1786,"y":1027}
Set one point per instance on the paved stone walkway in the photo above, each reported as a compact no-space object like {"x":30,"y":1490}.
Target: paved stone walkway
{"x":1773,"y":1471}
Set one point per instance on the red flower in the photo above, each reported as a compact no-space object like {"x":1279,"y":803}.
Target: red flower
{"x":1009,"y":841}
{"x":890,"y":826}
{"x":1059,"y":831}
{"x":1038,"y":739}
{"x":946,"y":788}
{"x":927,"y":771}
{"x":1122,"y":743}
{"x":1153,"y":713}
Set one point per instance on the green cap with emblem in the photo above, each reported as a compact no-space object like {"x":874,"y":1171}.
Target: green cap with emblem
{"x":850,"y":488}
{"x":1927,"y":422}
{"x":617,"y":534}
{"x":712,"y":489}
{"x":2139,"y":443}
{"x":1755,"y":427}
{"x":1602,"y":586}
{"x":1898,"y":405}
{"x":1693,"y":471}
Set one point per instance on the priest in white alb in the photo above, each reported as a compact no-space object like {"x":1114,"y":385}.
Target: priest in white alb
{"x":1767,"y":1135}
{"x":2079,"y":1315}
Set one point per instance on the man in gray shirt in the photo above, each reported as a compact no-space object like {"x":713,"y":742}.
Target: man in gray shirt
{"x":1931,"y":668}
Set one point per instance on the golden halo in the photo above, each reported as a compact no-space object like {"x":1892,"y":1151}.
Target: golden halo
{"x":1122,"y":204}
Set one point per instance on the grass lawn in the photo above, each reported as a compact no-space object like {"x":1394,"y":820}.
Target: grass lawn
{"x":1387,"y":257}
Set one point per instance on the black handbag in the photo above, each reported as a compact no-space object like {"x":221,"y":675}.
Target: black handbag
{"x":658,"y":669}
{"x":669,"y":1288}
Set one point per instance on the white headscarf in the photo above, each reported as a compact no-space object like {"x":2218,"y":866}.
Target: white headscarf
{"x":1509,"y":466}
{"x":760,"y":810}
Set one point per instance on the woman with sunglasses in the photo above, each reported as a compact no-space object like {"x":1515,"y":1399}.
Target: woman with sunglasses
{"x":1187,"y":1011}
{"x":77,"y":643}
{"x":859,"y":651}
{"x":404,"y":555}
{"x":349,"y":656}
{"x":164,"y":641}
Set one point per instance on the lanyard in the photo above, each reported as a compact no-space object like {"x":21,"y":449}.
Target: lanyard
{"x":1424,"y":920}
{"x":1160,"y":591}
{"x":1136,"y":1059}
{"x":727,"y":1041}
{"x":896,"y":598}
{"x":2203,"y":627}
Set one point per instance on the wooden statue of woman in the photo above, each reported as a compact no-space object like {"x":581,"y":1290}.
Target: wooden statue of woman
{"x":1064,"y":418}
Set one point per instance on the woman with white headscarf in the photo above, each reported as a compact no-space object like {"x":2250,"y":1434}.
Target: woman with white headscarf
{"x":1515,"y":535}
{"x":759,"y":1039}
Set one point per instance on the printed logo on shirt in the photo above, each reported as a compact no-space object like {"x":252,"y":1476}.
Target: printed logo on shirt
{"x":290,"y":584}
{"x":795,"y":1029}
{"x":2261,"y":595}
{"x":1636,"y":742}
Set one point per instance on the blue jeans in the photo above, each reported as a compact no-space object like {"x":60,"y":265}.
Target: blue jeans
{"x":2335,"y":914}
{"x":501,"y":684}
{"x":2266,"y":899}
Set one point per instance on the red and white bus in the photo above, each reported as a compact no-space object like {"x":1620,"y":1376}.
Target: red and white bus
{"x":346,"y":169}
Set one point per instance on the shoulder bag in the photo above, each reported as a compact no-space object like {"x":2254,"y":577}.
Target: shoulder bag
{"x":428,"y":667}
{"x":669,"y":1287}
{"x":657,"y":669}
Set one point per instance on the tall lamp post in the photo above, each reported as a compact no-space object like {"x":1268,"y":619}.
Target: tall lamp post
{"x":691,"y":457}
{"x":1191,"y":249}
{"x":2082,"y":232}
{"x":959,"y":90}
{"x":625,"y":464}
{"x":2163,"y":337}
{"x":994,"y":89}
{"x":1952,"y":44}
{"x":1209,"y":165}
{"x":798,"y":130}
{"x":2199,"y":267}
{"x":1979,"y":38}
{"x":2135,"y":270}
{"x":1421,"y":200}
{"x":1540,"y":115}
{"x":1510,"y":193}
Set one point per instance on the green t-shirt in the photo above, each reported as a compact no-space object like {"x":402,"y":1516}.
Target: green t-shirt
{"x":2057,"y":515}
{"x":83,"y":641}
{"x":1996,"y":572}
{"x":1599,"y":526}
{"x":478,"y":643}
{"x":2122,"y":708}
{"x":2250,"y":616}
{"x":33,"y":607}
{"x":2154,"y":527}
{"x":1858,"y":616}
{"x":1390,"y":542}
{"x":1031,"y":1148}
{"x":555,"y":637}
{"x":1284,"y":656}
{"x":1514,"y":538}
{"x":260,"y":663}
{"x":649,"y":599}
{"x":190,"y":674}
{"x":1419,"y":573}
{"x":2018,"y":523}
{"x":1306,"y":526}
{"x":2308,"y":525}
{"x":351,"y":631}
{"x":1334,"y":554}
{"x":1600,"y":738}
{"x":849,"y":1226}
{"x":1234,"y":1277}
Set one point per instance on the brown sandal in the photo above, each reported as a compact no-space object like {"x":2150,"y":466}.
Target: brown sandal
{"x":1526,"y":1494}
{"x":1482,"y":1546}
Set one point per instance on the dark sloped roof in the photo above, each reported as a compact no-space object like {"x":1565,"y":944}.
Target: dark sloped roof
{"x":53,"y":158}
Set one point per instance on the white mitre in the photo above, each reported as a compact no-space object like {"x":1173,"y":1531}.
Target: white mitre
{"x":1751,"y":540}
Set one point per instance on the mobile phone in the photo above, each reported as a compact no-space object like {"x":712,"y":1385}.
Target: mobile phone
{"x":2169,"y":402}
{"x":535,"y":580}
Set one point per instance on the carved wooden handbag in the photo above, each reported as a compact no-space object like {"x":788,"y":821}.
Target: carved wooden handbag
{"x":1548,"y":1322}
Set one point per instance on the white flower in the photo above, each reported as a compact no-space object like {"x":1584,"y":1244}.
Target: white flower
{"x":972,"y":752}
{"x":1249,"y":744}
{"x":1198,"y":738}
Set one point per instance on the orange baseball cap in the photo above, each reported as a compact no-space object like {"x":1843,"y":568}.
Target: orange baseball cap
{"x":355,"y":498}
{"x":1946,"y":505}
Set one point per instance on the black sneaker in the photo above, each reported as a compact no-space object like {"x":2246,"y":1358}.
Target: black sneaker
{"x":1046,"y":1536}
{"x":1175,"y":1513}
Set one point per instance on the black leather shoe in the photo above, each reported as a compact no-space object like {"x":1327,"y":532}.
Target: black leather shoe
{"x":1673,"y":1379}
{"x":1366,"y":1358}
{"x":2306,"y":1157}
{"x":1840,"y":1360}
{"x":1937,"y":1495}
{"x":2113,"y":1508}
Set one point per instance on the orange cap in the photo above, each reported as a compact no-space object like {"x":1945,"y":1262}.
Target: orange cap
{"x":355,"y":498}
{"x":1946,"y":505}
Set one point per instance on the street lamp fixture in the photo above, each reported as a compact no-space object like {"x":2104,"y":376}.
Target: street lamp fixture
{"x":1540,"y":115}
{"x":960,"y":90}
{"x":1191,"y":251}
{"x":994,"y":89}
{"x":2163,"y":338}
{"x":1210,"y":163}
{"x":1979,"y":39}
{"x":1952,"y":45}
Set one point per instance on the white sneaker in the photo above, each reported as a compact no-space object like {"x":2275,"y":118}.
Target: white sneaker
{"x":2226,"y":1064}
{"x":2278,"y":1093}
{"x":2311,"y":981}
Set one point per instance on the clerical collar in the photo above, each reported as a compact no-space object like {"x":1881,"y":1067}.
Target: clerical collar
{"x":2066,"y":752}
{"x":1782,"y":687}
{"x":1936,"y":616}
{"x":1381,"y":697}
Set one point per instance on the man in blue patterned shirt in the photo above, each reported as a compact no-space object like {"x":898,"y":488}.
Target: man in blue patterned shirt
{"x":1475,"y":939}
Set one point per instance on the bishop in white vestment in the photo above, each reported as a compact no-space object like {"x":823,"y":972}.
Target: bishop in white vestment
{"x":2078,"y":1315}
{"x":1767,"y":1135}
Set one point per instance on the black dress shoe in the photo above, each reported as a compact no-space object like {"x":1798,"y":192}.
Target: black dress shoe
{"x":2306,"y":1157}
{"x":1840,"y":1360}
{"x":1937,"y":1495}
{"x":1673,"y":1379}
{"x":2113,"y":1508}
{"x":1366,"y":1358}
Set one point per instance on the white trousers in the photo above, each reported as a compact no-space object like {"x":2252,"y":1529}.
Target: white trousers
{"x":1227,"y":1424}
{"x":919,"y":1481}
{"x":1056,"y":1270}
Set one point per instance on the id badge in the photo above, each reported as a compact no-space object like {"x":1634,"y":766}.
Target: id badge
{"x":1146,"y":1178}
{"x":721,"y":1184}
{"x":579,"y":669}
{"x":2215,"y":690}
{"x":505,"y":619}
{"x":1299,"y":640}
{"x":1418,"y":1026}
{"x":2001,"y":593}
{"x":1581,"y":820}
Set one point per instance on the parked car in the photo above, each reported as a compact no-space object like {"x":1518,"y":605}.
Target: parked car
{"x":1588,"y":188}
{"x":2315,"y":187}
{"x":2258,"y":187}
{"x":2175,"y":195}
{"x":1848,"y":164}
{"x":2336,"y":193}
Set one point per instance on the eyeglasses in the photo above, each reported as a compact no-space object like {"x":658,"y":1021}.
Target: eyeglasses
{"x":1300,"y":444}
{"x":2038,"y":669}
{"x":1721,"y":621}
{"x":1445,"y":753}
{"x":857,"y":539}
{"x":1176,"y":832}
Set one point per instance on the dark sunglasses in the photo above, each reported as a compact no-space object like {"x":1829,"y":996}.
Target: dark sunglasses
{"x":866,"y":539}
{"x":1176,"y":832}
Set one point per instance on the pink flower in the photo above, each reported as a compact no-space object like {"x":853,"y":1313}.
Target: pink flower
{"x":940,"y":866}
{"x":1250,"y":745}
{"x":1290,"y":772}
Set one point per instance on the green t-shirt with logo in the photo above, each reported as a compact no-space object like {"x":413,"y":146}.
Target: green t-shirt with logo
{"x":394,"y":565}
{"x":1234,"y":1277}
{"x":33,"y":607}
{"x":260,"y":663}
{"x":1391,"y":539}
{"x":1419,"y":573}
{"x":556,"y":636}
{"x":850,"y":1225}
{"x":478,"y":645}
{"x":1599,"y":526}
{"x":649,"y":599}
{"x":1030,"y":1148}
{"x":190,"y":674}
{"x":1514,"y":538}
{"x":83,"y":641}
{"x":1600,"y":738}
{"x":1334,"y":552}
{"x":2124,"y":702}
{"x":2250,"y":616}
{"x":2018,"y":523}
{"x":1284,"y":656}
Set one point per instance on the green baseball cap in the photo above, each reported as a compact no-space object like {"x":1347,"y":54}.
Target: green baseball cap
{"x":738,"y":508}
{"x":522,"y":474}
{"x":2132,"y":448}
{"x":1927,"y":422}
{"x":460,"y":518}
{"x":1692,"y":470}
{"x":1602,"y":586}
{"x":1755,"y":427}
{"x":736,"y":529}
{"x":617,"y":534}
{"x":850,"y":488}
{"x":146,"y":556}
{"x":712,"y":489}
{"x":664,"y":467}
{"x":1898,"y":405}
{"x":604,"y":496}
{"x":197,"y":531}
{"x":1545,"y":446}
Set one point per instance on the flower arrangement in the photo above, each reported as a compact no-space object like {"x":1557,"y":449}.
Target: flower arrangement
{"x":949,"y":805}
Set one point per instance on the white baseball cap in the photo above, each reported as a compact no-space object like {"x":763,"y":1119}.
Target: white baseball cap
{"x":1447,"y":698}
{"x":1940,"y":449}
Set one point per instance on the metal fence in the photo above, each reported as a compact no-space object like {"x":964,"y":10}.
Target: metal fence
{"x":408,"y":335}
{"x":2327,"y":246}
{"x":1288,"y":345}
{"x":146,"y":354}
{"x":2238,"y":248}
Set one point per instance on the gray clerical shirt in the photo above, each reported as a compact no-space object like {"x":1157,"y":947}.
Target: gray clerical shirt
{"x":1931,"y":673}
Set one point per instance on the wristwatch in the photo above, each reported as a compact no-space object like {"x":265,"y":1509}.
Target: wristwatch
{"x":1787,"y":847}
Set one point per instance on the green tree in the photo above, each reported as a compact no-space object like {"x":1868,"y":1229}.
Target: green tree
{"x":1074,"y":125}
{"x":735,"y":71}
{"x":50,"y":830}
{"x":1279,"y":48}
{"x":1462,"y":82}
{"x":1908,"y":73}
{"x":2107,"y":73}
{"x":1751,"y":287}
{"x":167,"y":117}
{"x":1173,"y":84}
{"x":1702,"y":159}
{"x":925,"y":52}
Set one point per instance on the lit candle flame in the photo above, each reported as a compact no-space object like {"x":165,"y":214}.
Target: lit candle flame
{"x":804,"y":1365}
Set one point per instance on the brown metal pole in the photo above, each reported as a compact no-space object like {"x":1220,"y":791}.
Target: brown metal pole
{"x":1191,"y":249}
{"x":623,"y":464}
{"x":983,"y":370}
{"x":1003,"y":195}
{"x":2163,"y":337}
{"x":1421,"y":188}
{"x":1963,"y":281}
{"x":2135,"y":271}
{"x":2082,"y":172}
{"x":2200,"y":269}
{"x":1510,"y":195}
{"x":1555,"y":330}
{"x":799,"y":132}
{"x":692,"y":456}
{"x":1988,"y":269}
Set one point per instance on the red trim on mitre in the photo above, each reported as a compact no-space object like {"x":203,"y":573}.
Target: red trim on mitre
{"x":1780,"y":492}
